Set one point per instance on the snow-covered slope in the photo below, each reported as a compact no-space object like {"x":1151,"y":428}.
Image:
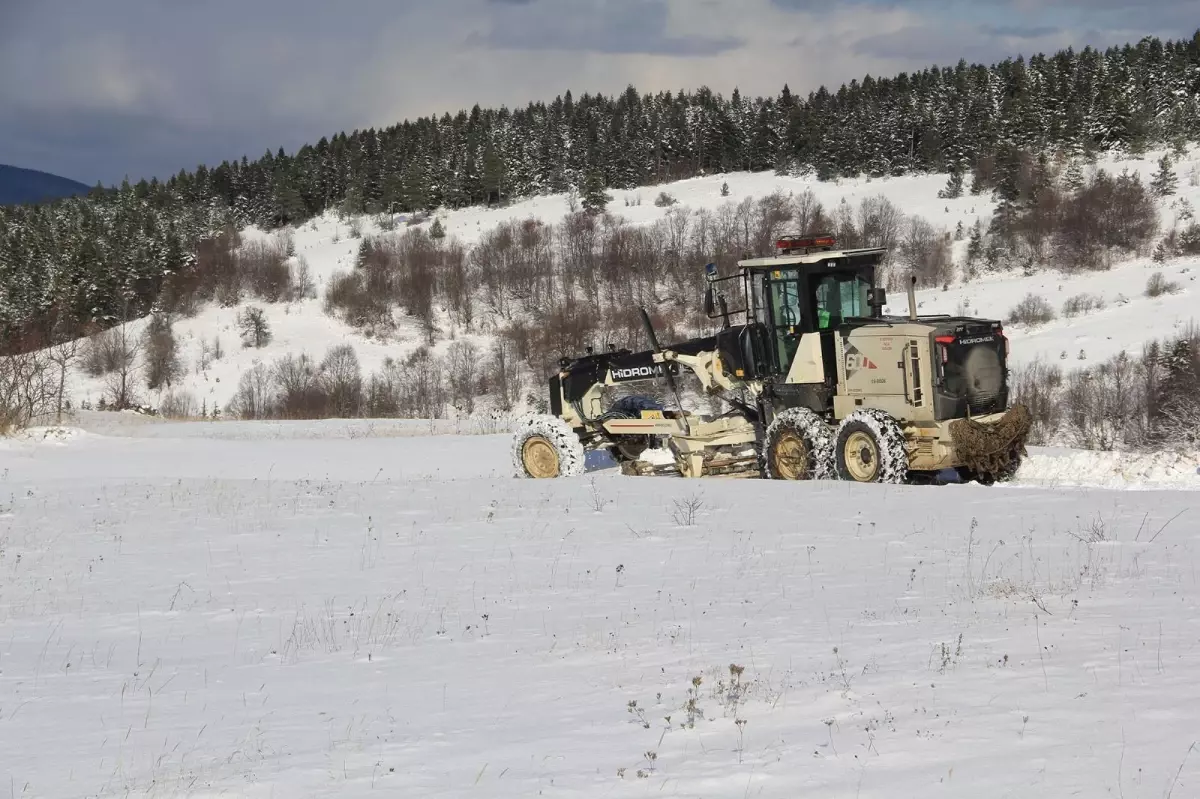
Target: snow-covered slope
{"x":289,"y":614}
{"x":1128,"y":320}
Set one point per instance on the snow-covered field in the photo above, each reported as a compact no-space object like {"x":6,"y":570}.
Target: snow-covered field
{"x":323,"y":609}
{"x":1128,"y":320}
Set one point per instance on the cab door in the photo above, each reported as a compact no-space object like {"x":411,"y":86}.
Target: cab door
{"x":787,"y":315}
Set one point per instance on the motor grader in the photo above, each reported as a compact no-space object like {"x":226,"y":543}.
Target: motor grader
{"x":815,"y":382}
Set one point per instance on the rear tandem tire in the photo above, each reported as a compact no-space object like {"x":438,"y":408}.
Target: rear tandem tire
{"x":798,"y":445}
{"x":870,"y":448}
{"x":545,"y":446}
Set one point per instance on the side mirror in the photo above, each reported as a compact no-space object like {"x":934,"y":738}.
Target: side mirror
{"x":877,"y":297}
{"x":708,"y":301}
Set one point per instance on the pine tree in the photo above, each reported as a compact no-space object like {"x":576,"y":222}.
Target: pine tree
{"x":1008,"y":199}
{"x":1165,"y":182}
{"x":954,"y":187}
{"x":493,"y":175}
{"x":977,"y":186}
{"x":1179,"y":389}
{"x":1073,"y":177}
{"x":595,"y":197}
{"x":436,"y":231}
{"x":975,"y":246}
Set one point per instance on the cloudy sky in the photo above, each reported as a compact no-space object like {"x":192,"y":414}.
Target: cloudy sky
{"x":103,"y":89}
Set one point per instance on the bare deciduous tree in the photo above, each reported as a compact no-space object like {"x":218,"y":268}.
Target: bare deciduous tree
{"x":462,"y":359}
{"x":925,"y":253}
{"x":297,"y":389}
{"x":254,"y":398}
{"x":120,"y":386}
{"x":341,"y":379}
{"x":255,"y":330}
{"x":505,"y":379}
{"x":106,"y":352}
{"x":63,"y":355}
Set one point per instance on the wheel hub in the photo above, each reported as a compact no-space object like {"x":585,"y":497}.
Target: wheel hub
{"x":862,"y":459}
{"x":791,"y":457}
{"x":540,"y":458}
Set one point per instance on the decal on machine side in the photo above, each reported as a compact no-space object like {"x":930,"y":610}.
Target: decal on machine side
{"x":637,"y":372}
{"x":856,"y":361}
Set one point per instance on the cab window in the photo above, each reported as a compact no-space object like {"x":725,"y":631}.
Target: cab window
{"x":840,"y":297}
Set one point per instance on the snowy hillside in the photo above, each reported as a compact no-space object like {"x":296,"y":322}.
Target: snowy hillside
{"x":1128,"y":319}
{"x":288,"y":612}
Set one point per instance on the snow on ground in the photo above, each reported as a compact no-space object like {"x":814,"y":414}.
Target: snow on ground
{"x":302,"y":614}
{"x":1059,"y":466}
{"x":328,"y":248}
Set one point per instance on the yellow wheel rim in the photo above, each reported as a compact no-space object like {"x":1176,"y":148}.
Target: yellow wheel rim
{"x":862,"y":457}
{"x":791,"y":457}
{"x":540,"y":458}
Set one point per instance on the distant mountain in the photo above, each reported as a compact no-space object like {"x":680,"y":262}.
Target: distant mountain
{"x":29,"y":186}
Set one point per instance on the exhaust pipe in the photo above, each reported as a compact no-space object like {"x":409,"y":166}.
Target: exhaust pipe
{"x":912,"y":299}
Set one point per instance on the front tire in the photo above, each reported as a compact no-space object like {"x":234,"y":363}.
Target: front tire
{"x":545,"y":446}
{"x":797,"y":446}
{"x":870,"y":448}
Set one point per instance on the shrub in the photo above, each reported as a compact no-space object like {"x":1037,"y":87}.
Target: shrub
{"x":1038,"y":386}
{"x":1158,"y":285}
{"x":664,"y":200}
{"x":177,"y":404}
{"x":285,"y":240}
{"x":1107,"y":215}
{"x":349,"y":297}
{"x":1104,"y":406}
{"x":413,"y":388}
{"x":1031,"y":311}
{"x":265,"y":274}
{"x":27,"y":390}
{"x":106,"y":352}
{"x":1082,"y":304}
